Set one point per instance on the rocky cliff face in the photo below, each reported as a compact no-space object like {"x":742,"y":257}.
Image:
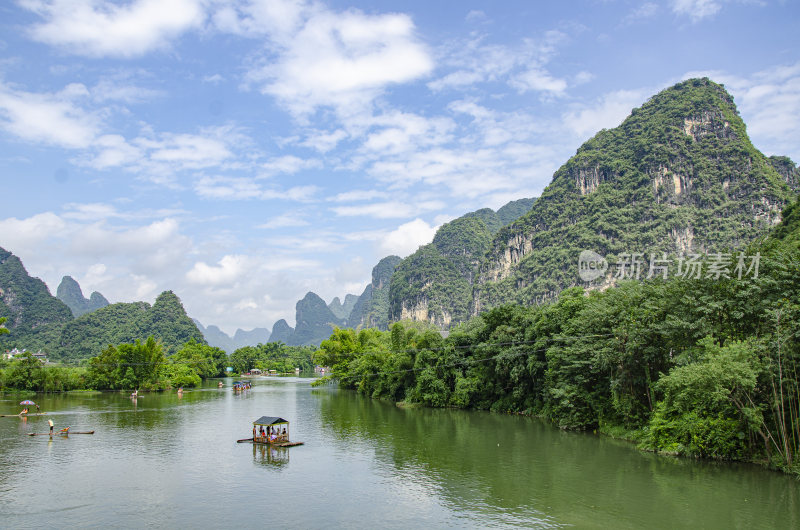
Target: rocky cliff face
{"x":434,"y":284}
{"x":69,"y":292}
{"x":372,"y":308}
{"x":679,"y":175}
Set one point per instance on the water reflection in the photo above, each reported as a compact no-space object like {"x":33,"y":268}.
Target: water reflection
{"x":520,"y":469}
{"x":270,"y":456}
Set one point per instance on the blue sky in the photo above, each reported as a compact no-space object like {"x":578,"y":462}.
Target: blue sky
{"x":243,"y":153}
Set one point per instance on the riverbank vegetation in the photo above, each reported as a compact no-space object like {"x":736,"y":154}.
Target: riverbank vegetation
{"x":697,"y":367}
{"x":272,"y":356}
{"x":145,"y":366}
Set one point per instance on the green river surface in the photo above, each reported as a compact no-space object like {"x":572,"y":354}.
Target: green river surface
{"x":167,"y":462}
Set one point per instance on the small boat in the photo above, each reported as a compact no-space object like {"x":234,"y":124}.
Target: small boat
{"x":273,"y":435}
{"x":59,"y":433}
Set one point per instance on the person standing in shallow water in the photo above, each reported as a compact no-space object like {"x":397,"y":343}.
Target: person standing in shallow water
{"x":51,"y":426}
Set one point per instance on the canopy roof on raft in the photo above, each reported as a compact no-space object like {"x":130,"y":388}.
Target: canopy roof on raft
{"x":269,"y":420}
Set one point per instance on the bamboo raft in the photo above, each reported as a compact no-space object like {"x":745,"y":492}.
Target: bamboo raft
{"x":66,"y":433}
{"x":276,"y":443}
{"x":20,"y":415}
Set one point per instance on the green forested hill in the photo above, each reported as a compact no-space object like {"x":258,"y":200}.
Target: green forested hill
{"x":434,"y":283}
{"x":679,"y":175}
{"x":35,"y":317}
{"x":166,"y":321}
{"x":37,"y":320}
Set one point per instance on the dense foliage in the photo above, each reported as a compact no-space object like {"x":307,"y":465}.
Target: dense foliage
{"x":273,"y":356}
{"x":126,"y":366}
{"x":703,"y":367}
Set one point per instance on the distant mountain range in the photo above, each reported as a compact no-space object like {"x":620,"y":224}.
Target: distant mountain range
{"x":37,"y":320}
{"x":69,"y":292}
{"x":678,"y":176}
{"x":218,"y":338}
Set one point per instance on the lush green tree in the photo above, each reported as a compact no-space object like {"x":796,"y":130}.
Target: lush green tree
{"x":708,"y":407}
{"x":204,"y":360}
{"x":25,"y":372}
{"x":128,"y":366}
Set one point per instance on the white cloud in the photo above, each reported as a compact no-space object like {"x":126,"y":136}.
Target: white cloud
{"x":341,"y":60}
{"x":31,"y":232}
{"x":645,"y":11}
{"x":121,"y":90}
{"x":401,"y":132}
{"x":101,"y":239}
{"x":49,"y":118}
{"x":96,"y":274}
{"x":228,"y":270}
{"x":90,"y":211}
{"x":186,"y":150}
{"x":523,"y":67}
{"x":114,"y":151}
{"x":382,"y":210}
{"x":87,"y":27}
{"x":160,"y":157}
{"x":351,"y":272}
{"x":407,"y":238}
{"x":213,"y":79}
{"x":388,"y":210}
{"x":539,"y":80}
{"x":243,"y":188}
{"x":284,"y":221}
{"x":288,"y":165}
{"x":696,"y":10}
{"x":254,"y":18}
{"x":228,"y":188}
{"x":143,"y":288}
{"x":323,"y":141}
{"x":359,"y":195}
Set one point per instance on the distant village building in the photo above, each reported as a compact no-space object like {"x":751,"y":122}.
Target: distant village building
{"x":11,"y":354}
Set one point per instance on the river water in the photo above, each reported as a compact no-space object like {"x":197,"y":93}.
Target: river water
{"x":170,"y":461}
